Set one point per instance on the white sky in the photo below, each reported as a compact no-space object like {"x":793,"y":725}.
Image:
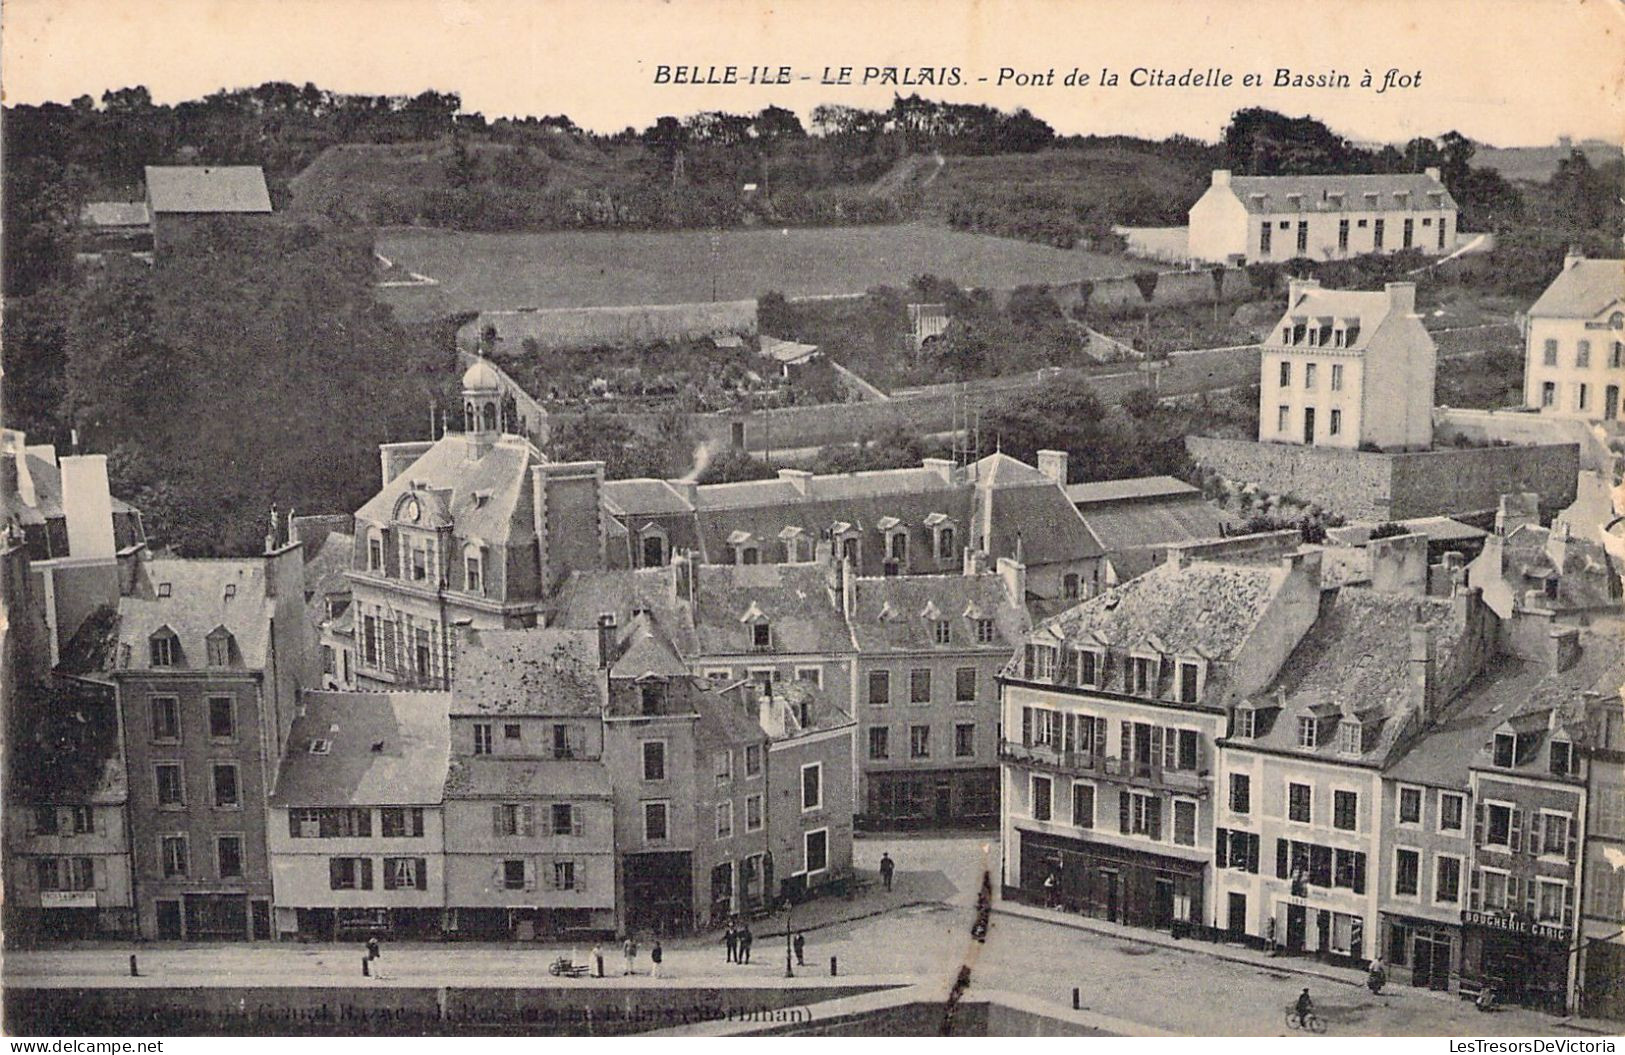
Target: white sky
{"x":1510,"y":72}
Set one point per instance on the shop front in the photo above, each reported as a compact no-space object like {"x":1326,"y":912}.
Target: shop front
{"x":1305,"y":926}
{"x":933,"y":799}
{"x":1423,"y":953}
{"x":1110,"y":882}
{"x":1525,"y":962}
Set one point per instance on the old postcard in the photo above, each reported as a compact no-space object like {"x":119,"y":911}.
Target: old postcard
{"x":721,"y":518}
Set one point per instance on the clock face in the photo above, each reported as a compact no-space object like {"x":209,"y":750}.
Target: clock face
{"x":410,"y":510}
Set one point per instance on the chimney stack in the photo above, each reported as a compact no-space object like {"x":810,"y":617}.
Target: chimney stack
{"x":1399,"y":564}
{"x":1402,"y":297}
{"x":1432,"y":173}
{"x":943,"y":467}
{"x":1515,"y":511}
{"x":1421,"y":671}
{"x":1014,"y":574}
{"x":1053,"y":464}
{"x":606,"y":640}
{"x":1562,"y":648}
{"x":849,"y":588}
{"x":1297,"y":287}
{"x":87,"y":506}
{"x":800,"y":479}
{"x":1221,"y":177}
{"x":1574,"y":255}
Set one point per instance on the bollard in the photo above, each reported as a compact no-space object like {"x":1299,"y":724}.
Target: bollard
{"x":1076,"y":999}
{"x":134,"y":973}
{"x":366,"y":972}
{"x":834,"y":967}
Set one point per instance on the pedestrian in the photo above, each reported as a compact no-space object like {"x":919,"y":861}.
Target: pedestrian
{"x":745,"y":939}
{"x":598,"y":960}
{"x":629,"y":949}
{"x":801,"y":948}
{"x":1049,"y":890}
{"x":731,"y":940}
{"x":656,"y":955}
{"x":887,"y":867}
{"x":372,"y":947}
{"x":1269,"y":934}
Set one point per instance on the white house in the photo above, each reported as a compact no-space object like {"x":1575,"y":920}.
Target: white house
{"x":1243,"y":219}
{"x":1344,"y":368}
{"x":1574,"y":350}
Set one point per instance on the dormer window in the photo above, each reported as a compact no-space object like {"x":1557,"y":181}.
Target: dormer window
{"x":1091,"y":667}
{"x":1308,"y":732}
{"x":1348,"y":737}
{"x":945,"y":542}
{"x":897,"y":545}
{"x":793,"y":539}
{"x":1562,"y":758}
{"x":761,"y":636}
{"x":984,"y":631}
{"x":166,"y":648}
{"x":1143,"y":675}
{"x":1190,"y":681}
{"x":474,"y":569}
{"x":1246,"y":723}
{"x":163,"y":589}
{"x":375,"y":550}
{"x":1039,"y":663}
{"x":1506,"y":750}
{"x":942,"y":632}
{"x":219,"y":647}
{"x":652,"y":695}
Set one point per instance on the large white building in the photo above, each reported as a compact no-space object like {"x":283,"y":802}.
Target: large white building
{"x":1344,"y":368}
{"x":1244,"y":219}
{"x":1574,"y":342}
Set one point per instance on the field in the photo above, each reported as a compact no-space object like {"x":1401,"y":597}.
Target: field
{"x":590,"y":268}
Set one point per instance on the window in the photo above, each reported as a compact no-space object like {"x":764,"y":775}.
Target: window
{"x":166,"y":649}
{"x":1562,"y":758}
{"x":511,"y":731}
{"x":1582,"y":397}
{"x":513,"y":875}
{"x":1298,"y":801}
{"x":1407,"y":872}
{"x":1409,"y":235}
{"x":482,"y":738}
{"x":1184,"y":822}
{"x":222,"y":719}
{"x":722,"y":765}
{"x":1246,"y":722}
{"x":1494,"y":885}
{"x":1144,"y":672}
{"x":753,"y":760}
{"x":1286,"y":374}
{"x":652,"y":696}
{"x":1283,"y":419}
{"x":725,"y":820}
{"x":965,"y":740}
{"x":1041,"y":798}
{"x":1498,"y":825}
{"x":1616,"y":358}
{"x":563,"y":820}
{"x":406,"y":873}
{"x":166,"y":718}
{"x":1376,"y":233}
{"x":1346,"y":810}
{"x":1179,"y":749}
{"x":816,"y":850}
{"x":1308,"y":732}
{"x":1348,"y":737}
{"x":984,"y":631}
{"x":564,"y":875}
{"x":1348,"y":870}
{"x":919,"y":741}
{"x":1553,"y":896}
{"x":1264,"y":233}
{"x":1548,"y":393}
{"x":1336,"y":426}
{"x":512,"y":819}
{"x":1446,"y":880}
{"x":879,"y":743}
{"x":1090,"y":667}
{"x":1337,"y":377}
{"x":1241,"y":793}
{"x":228,"y":856}
{"x":171,"y":785}
{"x":1342,"y":236}
{"x":879,"y":688}
{"x":965,"y":685}
{"x":45,"y":820}
{"x":225,"y":786}
{"x":375,"y":553}
{"x":812,"y":786}
{"x":1551,"y":835}
{"x":811,"y":675}
{"x":1451,"y":811}
{"x":1303,"y":237}
{"x":941,"y":632}
{"x":1083,"y":805}
{"x":1139,"y":814}
{"x":218,"y":647}
{"x":1549,"y":353}
{"x":1189,"y":676}
{"x":761,"y":637}
{"x":654,"y":760}
{"x":945,"y":543}
{"x":1582,"y":354}
{"x":919,"y":686}
{"x":1410,"y":807}
{"x":654,"y":821}
{"x":398,"y":822}
{"x":753,"y":813}
{"x":81,"y":820}
{"x":1309,"y":371}
{"x":174,"y":857}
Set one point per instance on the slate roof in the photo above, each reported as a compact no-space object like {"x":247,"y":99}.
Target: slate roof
{"x":1317,"y":192}
{"x":584,"y":596}
{"x":502,"y":473}
{"x":411,"y":732}
{"x":486,"y":776}
{"x":207,"y":189}
{"x":1046,"y":524}
{"x":1582,"y":290}
{"x":325,"y":574}
{"x":1160,"y":487}
{"x":645,"y":496}
{"x":647,"y":651}
{"x":783,"y":351}
{"x":802,"y":615}
{"x":1461,"y":738}
{"x":1136,"y":533}
{"x":1355,"y":660}
{"x":1586,"y":573}
{"x":1368,"y":309}
{"x":312,"y":531}
{"x":960,"y":599}
{"x":196,"y":605}
{"x":116,"y":214}
{"x":538,"y":672}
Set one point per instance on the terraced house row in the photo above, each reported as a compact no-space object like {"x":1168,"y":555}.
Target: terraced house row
{"x":1331,"y":760}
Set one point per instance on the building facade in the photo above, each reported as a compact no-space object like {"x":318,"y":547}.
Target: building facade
{"x":1602,"y":912}
{"x":1246,"y":219}
{"x":1348,"y":369}
{"x":1574,"y":343}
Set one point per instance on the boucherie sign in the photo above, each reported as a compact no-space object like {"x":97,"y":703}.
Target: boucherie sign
{"x":1516,"y":924}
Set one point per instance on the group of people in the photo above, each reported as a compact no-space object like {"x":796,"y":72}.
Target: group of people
{"x":629,"y":950}
{"x":738,"y":939}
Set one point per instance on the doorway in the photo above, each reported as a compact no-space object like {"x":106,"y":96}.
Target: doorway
{"x":1162,"y":907}
{"x":169,"y":920}
{"x":1238,"y":916}
{"x":1297,"y":926}
{"x":1610,"y":403}
{"x":945,"y":804}
{"x":1309,"y":424}
{"x":261,"y":919}
{"x":1430,"y":963}
{"x":1113,"y":896}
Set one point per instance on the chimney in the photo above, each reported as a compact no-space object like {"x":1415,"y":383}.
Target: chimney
{"x":1574,"y":255}
{"x":689,"y":489}
{"x":800,"y":479}
{"x":130,"y":560}
{"x":606,"y":640}
{"x":943,"y":467}
{"x":1402,"y":297}
{"x":1432,"y":173}
{"x":1399,"y":564}
{"x":88,"y":506}
{"x":770,"y":715}
{"x":975,"y":561}
{"x":682,"y":564}
{"x":1053,"y":465}
{"x":396,"y":458}
{"x":1297,"y":287}
{"x":1221,"y":177}
{"x":1014,"y":574}
{"x":849,"y":588}
{"x":1562,"y":648}
{"x":1422,"y":674}
{"x":1515,"y":511}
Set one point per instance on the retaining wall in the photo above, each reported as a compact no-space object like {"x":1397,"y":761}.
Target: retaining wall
{"x":1365,"y":485}
{"x":554,"y":328}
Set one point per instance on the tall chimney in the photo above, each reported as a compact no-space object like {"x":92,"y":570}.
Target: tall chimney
{"x":1053,"y":465}
{"x":1402,"y":297}
{"x":87,"y":506}
{"x":1297,"y":287}
{"x":1574,"y":255}
{"x":606,"y":640}
{"x":1421,"y":673}
{"x":1562,"y":648}
{"x":1014,"y":574}
{"x":1221,"y":177}
{"x":849,"y":588}
{"x":1432,"y":173}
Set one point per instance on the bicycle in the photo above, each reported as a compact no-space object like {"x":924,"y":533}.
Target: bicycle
{"x":1309,"y":1021}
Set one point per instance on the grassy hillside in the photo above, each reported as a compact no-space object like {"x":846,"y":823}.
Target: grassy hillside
{"x":1538,"y":164}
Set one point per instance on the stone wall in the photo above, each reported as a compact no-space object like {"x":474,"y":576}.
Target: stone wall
{"x":1363,"y":485}
{"x":553,"y":328}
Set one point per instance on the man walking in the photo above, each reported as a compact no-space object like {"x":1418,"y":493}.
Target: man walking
{"x":801,"y":948}
{"x":598,"y":960}
{"x":731,"y":939}
{"x":887,"y":867}
{"x":745,"y":939}
{"x":629,"y":949}
{"x":372,"y":947}
{"x":656,"y":955}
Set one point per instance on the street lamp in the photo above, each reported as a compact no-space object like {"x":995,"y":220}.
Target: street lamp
{"x":789,"y":907}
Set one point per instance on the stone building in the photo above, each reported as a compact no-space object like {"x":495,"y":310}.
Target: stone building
{"x":1574,"y":342}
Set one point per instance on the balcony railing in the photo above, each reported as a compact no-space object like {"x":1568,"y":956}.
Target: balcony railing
{"x":1045,"y":756}
{"x":1152,"y":775}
